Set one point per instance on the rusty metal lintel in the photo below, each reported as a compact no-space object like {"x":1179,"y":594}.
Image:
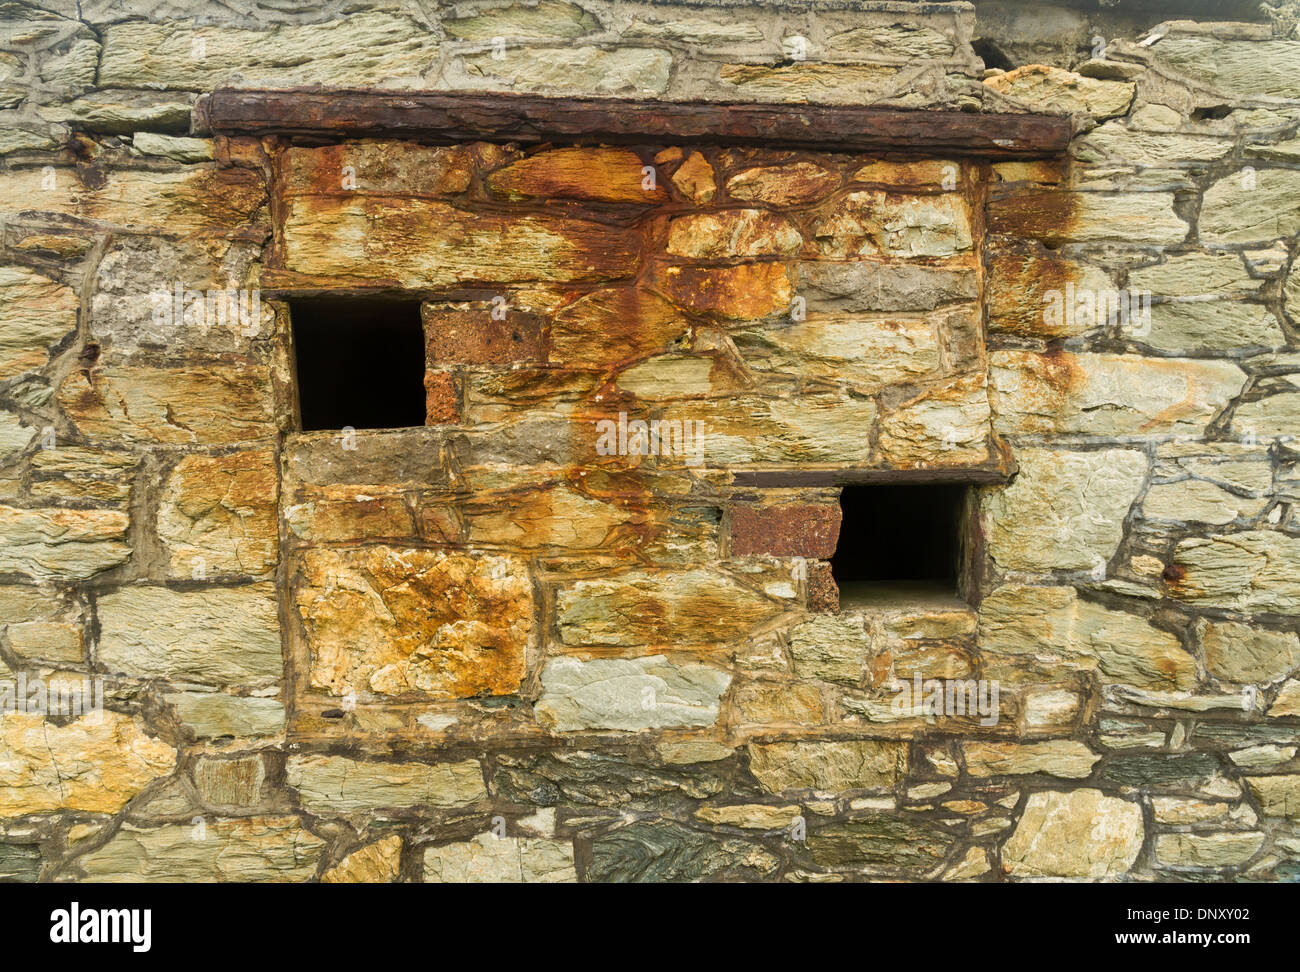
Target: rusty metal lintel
{"x":450,"y":117}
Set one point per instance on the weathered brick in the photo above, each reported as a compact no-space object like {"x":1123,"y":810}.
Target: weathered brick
{"x":474,"y":337}
{"x":785,"y":531}
{"x":823,"y":592}
{"x":441,"y":399}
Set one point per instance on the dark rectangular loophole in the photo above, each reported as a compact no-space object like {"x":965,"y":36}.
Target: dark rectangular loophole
{"x":360,"y":363}
{"x":900,"y":534}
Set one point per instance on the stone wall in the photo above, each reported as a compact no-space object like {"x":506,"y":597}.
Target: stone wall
{"x":489,"y":649}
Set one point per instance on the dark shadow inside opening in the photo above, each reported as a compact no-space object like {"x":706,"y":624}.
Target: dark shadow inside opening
{"x":910,"y":535}
{"x":359,"y":362}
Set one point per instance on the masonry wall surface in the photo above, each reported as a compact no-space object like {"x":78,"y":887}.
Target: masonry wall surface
{"x":487,"y":649}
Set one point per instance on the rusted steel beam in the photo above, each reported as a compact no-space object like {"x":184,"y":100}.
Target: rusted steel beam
{"x":440,"y":116}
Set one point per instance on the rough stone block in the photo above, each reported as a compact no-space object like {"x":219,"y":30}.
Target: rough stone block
{"x":829,"y":766}
{"x":337,"y":784}
{"x":1054,"y":89}
{"x":1128,"y":649}
{"x":377,"y":863}
{"x":394,"y":622}
{"x":227,"y":635}
{"x":501,"y":860}
{"x":217,"y":515}
{"x":1079,"y":834}
{"x":742,"y":292}
{"x":424,"y":243}
{"x":217,"y":403}
{"x":1257,"y":570}
{"x":659,"y":607}
{"x":270,"y":849}
{"x":35,"y":314}
{"x":1065,"y":510}
{"x":793,"y":184}
{"x":601,"y":174}
{"x":635,"y":693}
{"x":364,"y":49}
{"x":49,"y":543}
{"x":1108,"y":394}
{"x":835,"y":648}
{"x":214,"y":715}
{"x":96,"y":763}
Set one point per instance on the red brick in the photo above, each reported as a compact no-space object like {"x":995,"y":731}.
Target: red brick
{"x":823,"y":592}
{"x":441,"y":402}
{"x":785,"y":531}
{"x":472,"y":337}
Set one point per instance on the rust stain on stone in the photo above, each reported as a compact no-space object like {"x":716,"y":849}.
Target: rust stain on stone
{"x":612,"y":175}
{"x":628,"y":551}
{"x":1042,"y":214}
{"x":611,"y":326}
{"x":1189,"y":405}
{"x":1018,"y":281}
{"x":400,"y":622}
{"x":742,"y":292}
{"x":1061,"y":373}
{"x":378,"y":168}
{"x":1176,"y":582}
{"x":442,"y":400}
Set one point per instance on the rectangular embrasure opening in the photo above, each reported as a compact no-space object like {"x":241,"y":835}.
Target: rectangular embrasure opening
{"x":359,"y":363}
{"x":905,"y":537}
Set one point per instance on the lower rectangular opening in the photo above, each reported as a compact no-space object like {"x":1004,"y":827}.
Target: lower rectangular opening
{"x":899,"y":541}
{"x":359,"y":363}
